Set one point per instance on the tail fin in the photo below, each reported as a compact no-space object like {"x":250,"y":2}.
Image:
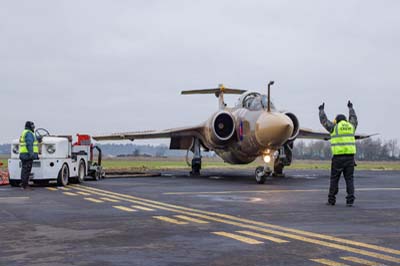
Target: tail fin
{"x":219,"y":93}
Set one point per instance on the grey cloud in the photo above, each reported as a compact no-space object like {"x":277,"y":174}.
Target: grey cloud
{"x":104,"y":66}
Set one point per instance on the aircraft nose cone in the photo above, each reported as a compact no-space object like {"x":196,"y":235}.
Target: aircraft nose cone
{"x":273,"y":129}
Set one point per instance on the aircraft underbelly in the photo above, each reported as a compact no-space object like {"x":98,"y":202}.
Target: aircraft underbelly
{"x":235,"y":157}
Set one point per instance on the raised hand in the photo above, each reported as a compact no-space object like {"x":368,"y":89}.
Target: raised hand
{"x":322,"y":106}
{"x":349,"y":104}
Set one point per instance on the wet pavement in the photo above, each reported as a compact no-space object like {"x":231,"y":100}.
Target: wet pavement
{"x":215,"y":219}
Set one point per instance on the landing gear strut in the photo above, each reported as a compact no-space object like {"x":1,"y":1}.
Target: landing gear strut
{"x":196,"y":161}
{"x":284,"y":159}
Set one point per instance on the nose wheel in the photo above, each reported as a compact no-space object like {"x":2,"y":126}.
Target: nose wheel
{"x":262,"y":173}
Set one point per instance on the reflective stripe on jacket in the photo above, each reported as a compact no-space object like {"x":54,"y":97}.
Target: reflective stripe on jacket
{"x":23,"y":148}
{"x":342,"y":139}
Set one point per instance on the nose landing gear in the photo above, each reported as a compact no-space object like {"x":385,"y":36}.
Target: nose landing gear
{"x":284,"y":159}
{"x":262,"y":172}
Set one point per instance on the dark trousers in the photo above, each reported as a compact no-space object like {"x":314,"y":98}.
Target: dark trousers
{"x":342,"y":164}
{"x":26,"y":172}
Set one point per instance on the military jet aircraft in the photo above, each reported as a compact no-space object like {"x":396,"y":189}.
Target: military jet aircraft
{"x":239,"y":134}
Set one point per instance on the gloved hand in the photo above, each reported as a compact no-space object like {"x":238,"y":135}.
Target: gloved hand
{"x":322,"y":106}
{"x":349,"y":104}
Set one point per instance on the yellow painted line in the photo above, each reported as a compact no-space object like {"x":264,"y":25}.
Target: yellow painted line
{"x":270,"y":238}
{"x":94,"y":200}
{"x":244,"y":191}
{"x":142,"y":208}
{"x":272,"y":191}
{"x":379,"y":189}
{"x":249,"y":224}
{"x":190,"y":219}
{"x":64,"y":188}
{"x":243,"y":239}
{"x":122,"y":208}
{"x":52,"y":188}
{"x":70,"y":194}
{"x":362,"y":261}
{"x":326,"y":237}
{"x":84,"y":193}
{"x":328,"y":262}
{"x":109,"y":200}
{"x":169,"y":220}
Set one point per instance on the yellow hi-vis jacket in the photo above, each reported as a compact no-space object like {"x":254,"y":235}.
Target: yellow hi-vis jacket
{"x":343,"y":141}
{"x":23,"y":149}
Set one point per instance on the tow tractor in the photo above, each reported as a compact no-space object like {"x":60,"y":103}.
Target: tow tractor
{"x":60,"y":160}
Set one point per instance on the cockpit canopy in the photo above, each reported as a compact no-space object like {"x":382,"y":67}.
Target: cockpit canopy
{"x":254,"y":101}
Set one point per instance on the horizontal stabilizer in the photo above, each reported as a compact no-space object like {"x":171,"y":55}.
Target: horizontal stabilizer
{"x":215,"y":91}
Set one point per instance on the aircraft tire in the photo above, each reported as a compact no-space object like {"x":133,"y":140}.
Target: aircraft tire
{"x":260,"y":174}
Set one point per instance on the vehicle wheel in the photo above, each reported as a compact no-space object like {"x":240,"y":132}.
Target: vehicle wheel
{"x":81,"y":172}
{"x":15,"y":183}
{"x":63,"y":176}
{"x":261,"y":175}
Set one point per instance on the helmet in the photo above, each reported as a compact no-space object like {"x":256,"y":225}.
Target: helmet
{"x":30,"y":125}
{"x":340,"y":117}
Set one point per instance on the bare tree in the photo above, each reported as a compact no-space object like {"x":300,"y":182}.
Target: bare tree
{"x":393,"y":148}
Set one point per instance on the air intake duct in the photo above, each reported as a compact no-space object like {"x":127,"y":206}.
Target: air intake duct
{"x":221,"y":128}
{"x":296,"y":126}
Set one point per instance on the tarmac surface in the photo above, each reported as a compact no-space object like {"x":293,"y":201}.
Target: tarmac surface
{"x":210,"y":220}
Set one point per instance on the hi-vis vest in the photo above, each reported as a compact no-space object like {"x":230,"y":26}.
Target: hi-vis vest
{"x":342,"y":139}
{"x":22,"y":144}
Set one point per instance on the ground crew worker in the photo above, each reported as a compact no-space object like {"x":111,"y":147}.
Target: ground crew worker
{"x":343,"y":148}
{"x":28,"y":151}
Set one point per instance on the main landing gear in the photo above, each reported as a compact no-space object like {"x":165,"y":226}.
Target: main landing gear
{"x":196,"y":161}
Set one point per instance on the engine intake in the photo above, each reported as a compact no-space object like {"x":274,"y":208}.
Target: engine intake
{"x":221,"y":128}
{"x":296,"y":126}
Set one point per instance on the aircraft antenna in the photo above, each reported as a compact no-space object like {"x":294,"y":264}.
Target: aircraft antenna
{"x":269,"y":95}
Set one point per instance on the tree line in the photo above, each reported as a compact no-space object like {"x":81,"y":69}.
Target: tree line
{"x":367,"y":150}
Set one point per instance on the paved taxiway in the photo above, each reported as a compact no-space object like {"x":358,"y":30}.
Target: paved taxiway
{"x":213,"y":220}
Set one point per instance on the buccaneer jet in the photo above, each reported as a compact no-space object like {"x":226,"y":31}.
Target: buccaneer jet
{"x":252,"y":128}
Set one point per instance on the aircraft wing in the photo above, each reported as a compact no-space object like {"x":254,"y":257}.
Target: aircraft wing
{"x":306,"y":133}
{"x":181,"y":138}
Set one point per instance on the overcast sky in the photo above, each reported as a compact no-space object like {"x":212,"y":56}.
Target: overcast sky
{"x":109,"y":66}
